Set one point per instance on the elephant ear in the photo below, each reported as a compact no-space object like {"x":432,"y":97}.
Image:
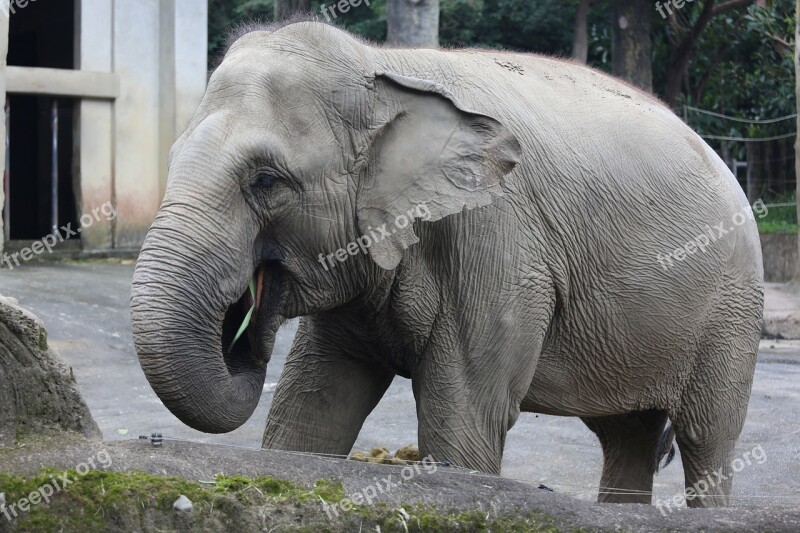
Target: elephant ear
{"x":428,"y":156}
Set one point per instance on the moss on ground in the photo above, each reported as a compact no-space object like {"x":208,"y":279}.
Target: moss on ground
{"x":114,"y":501}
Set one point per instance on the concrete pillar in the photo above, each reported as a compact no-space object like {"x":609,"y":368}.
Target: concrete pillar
{"x":136,"y":119}
{"x":93,"y":158}
{"x":3,"y":57}
{"x":184,"y":60}
{"x":191,"y":59}
{"x":167,"y":90}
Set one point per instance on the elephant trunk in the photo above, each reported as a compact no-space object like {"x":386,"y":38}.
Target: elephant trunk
{"x":185,"y":309}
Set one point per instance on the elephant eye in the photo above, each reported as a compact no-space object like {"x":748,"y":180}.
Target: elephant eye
{"x":265,"y":179}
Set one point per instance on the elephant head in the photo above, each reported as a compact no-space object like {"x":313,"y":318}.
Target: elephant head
{"x":299,"y":147}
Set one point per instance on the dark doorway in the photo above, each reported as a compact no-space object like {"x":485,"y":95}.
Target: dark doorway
{"x":40,"y":35}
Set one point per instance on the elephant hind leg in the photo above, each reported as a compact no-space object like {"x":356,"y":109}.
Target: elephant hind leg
{"x":706,"y":435}
{"x":713,"y":407}
{"x":707,"y":470}
{"x":630,"y":453}
{"x":707,"y":426}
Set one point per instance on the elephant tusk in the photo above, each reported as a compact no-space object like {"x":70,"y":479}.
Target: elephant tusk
{"x":259,"y":287}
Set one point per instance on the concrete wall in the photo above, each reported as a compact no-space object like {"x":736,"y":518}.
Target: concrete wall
{"x":136,"y":119}
{"x":160,"y":50}
{"x":184,"y":59}
{"x":93,"y":158}
{"x":155,"y":51}
{"x":779,"y":251}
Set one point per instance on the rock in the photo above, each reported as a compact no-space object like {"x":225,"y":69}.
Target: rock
{"x":37,"y":389}
{"x":183,"y":504}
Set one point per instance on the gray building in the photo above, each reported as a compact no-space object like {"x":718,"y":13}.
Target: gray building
{"x":95,"y":93}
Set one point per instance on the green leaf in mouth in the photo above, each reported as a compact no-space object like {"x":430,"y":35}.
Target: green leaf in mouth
{"x":247,"y":317}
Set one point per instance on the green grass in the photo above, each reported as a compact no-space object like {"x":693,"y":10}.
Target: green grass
{"x":124,"y":501}
{"x":782,"y":219}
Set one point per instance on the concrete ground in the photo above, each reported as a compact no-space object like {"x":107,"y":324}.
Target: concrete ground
{"x":85,"y":309}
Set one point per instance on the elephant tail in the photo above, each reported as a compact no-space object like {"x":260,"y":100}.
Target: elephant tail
{"x":666,"y":447}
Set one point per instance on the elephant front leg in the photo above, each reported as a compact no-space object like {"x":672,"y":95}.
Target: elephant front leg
{"x":322,"y":400}
{"x":464,"y":413}
{"x":463,"y":436}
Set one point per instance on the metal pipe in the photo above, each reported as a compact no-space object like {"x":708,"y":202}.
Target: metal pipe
{"x":54,"y":170}
{"x":7,"y":178}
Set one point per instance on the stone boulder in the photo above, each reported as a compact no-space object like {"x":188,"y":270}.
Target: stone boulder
{"x":37,"y":389}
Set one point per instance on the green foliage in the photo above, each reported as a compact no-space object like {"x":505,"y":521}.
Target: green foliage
{"x":599,"y":33}
{"x":225,"y":14}
{"x":545,"y":26}
{"x":509,"y":24}
{"x":780,"y":218}
{"x":741,"y":68}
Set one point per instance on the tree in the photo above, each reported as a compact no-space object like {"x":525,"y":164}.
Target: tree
{"x":684,"y":40}
{"x":580,"y":42}
{"x":743,"y":67}
{"x":631,"y":46}
{"x":286,"y":9}
{"x":413,"y":22}
{"x":797,"y":103}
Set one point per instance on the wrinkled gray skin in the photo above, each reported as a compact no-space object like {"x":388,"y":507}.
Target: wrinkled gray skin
{"x":532,"y":286}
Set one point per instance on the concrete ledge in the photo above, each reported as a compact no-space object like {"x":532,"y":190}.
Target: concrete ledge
{"x":447,"y":489}
{"x":62,"y":82}
{"x":781,"y":325}
{"x":781,"y":312}
{"x":779,"y":252}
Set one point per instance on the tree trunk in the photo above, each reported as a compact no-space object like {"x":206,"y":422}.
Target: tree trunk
{"x":631,"y":47}
{"x":286,"y":9}
{"x":797,"y":99}
{"x":413,"y":22}
{"x":681,"y":53}
{"x":679,"y":56}
{"x":580,"y":40}
{"x":37,"y":390}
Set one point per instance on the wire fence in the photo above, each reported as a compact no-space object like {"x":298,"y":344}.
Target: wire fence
{"x":763,"y":165}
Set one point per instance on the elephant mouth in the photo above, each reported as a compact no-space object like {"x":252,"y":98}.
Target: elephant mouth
{"x":267,"y":315}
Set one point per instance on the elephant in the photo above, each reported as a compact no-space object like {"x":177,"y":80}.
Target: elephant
{"x":511,"y":232}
